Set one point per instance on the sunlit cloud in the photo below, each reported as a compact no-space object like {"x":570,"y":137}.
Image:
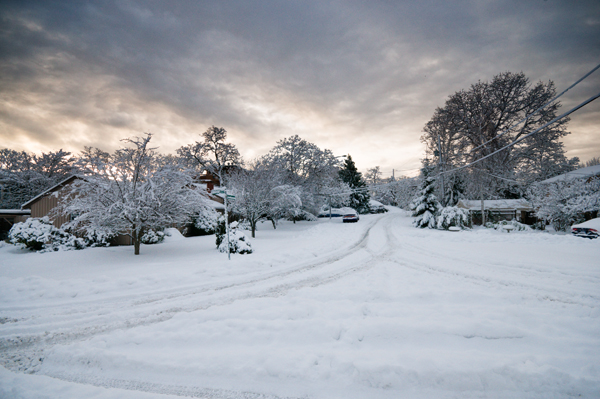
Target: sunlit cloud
{"x":354,"y":77}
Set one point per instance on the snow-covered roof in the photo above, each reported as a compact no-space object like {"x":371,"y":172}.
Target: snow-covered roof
{"x":51,"y":189}
{"x":576,"y":174}
{"x":15,"y":211}
{"x":520,"y":204}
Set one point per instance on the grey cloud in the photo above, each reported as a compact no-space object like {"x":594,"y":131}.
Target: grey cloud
{"x":367,"y":68}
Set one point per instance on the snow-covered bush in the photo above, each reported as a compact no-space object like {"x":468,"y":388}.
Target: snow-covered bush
{"x":39,"y":234}
{"x":238,"y":242}
{"x":220,"y":231}
{"x":564,"y":203}
{"x":299,"y":214}
{"x":206,"y":221}
{"x":93,"y":235}
{"x":516,"y":226}
{"x":152,"y":237}
{"x":452,"y":216}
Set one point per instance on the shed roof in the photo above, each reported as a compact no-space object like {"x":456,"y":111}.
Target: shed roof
{"x":15,"y":211}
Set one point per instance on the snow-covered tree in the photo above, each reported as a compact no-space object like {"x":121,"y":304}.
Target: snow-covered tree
{"x":213,"y":154}
{"x":303,"y":164}
{"x":359,"y":199}
{"x":468,"y":128}
{"x":426,"y":206}
{"x":399,"y":192}
{"x":564,"y":203}
{"x":128,"y":192}
{"x":261,"y":193}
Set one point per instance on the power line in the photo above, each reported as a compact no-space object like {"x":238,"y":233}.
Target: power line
{"x":537,"y":110}
{"x":586,"y":102}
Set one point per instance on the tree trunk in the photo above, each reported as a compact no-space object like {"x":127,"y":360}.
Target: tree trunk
{"x":482,"y":212}
{"x":136,"y":242}
{"x":253,"y":227}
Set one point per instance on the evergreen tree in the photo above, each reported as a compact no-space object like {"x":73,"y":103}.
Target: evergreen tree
{"x":426,"y":206}
{"x":359,"y":199}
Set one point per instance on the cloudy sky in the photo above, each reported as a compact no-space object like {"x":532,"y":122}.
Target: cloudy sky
{"x":357,"y":77}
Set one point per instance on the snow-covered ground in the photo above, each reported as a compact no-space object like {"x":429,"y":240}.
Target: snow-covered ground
{"x":376,"y":309}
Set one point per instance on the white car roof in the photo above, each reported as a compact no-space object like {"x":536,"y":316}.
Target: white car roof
{"x":590,"y":224}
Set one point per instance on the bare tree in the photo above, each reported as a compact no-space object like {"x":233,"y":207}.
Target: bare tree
{"x":213,"y":154}
{"x":373,"y":175}
{"x":476,"y":122}
{"x":593,"y":162}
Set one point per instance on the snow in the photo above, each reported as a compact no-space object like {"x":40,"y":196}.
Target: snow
{"x":374,"y":309}
{"x":591,"y":224}
{"x":576,"y":174}
{"x":510,"y":204}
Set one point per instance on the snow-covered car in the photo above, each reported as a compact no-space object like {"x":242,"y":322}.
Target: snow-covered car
{"x":335,"y":212}
{"x":376,"y":207}
{"x":589,"y":229}
{"x":350,"y":216}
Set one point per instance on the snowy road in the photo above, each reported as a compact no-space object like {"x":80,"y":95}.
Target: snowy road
{"x":324,"y":310}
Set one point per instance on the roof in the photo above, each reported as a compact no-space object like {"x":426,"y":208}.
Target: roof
{"x":520,"y":204}
{"x":50,"y":190}
{"x":15,"y":211}
{"x":576,"y":174}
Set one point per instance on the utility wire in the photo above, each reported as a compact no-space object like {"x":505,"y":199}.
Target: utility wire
{"x":537,"y":110}
{"x":586,"y":102}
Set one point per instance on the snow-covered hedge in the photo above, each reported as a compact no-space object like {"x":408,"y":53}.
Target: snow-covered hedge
{"x":39,"y":234}
{"x":452,"y":216}
{"x":296,"y":215}
{"x":152,"y":237}
{"x":516,"y":226}
{"x":206,"y":221}
{"x":238,"y":242}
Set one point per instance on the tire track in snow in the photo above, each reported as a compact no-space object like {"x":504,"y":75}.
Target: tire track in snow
{"x":25,"y":352}
{"x":434,"y":260}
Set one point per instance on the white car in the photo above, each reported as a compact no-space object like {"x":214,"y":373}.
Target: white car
{"x":350,"y":216}
{"x":589,"y":229}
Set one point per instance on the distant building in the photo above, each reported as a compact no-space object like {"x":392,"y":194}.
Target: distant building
{"x":496,"y":210}
{"x":584,"y":173}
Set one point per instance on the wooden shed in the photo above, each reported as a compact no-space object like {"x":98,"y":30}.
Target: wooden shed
{"x":45,"y":202}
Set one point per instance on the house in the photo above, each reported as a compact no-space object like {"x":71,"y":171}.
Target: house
{"x":43,"y":204}
{"x":589,"y":173}
{"x":507,"y":209}
{"x":8,"y":217}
